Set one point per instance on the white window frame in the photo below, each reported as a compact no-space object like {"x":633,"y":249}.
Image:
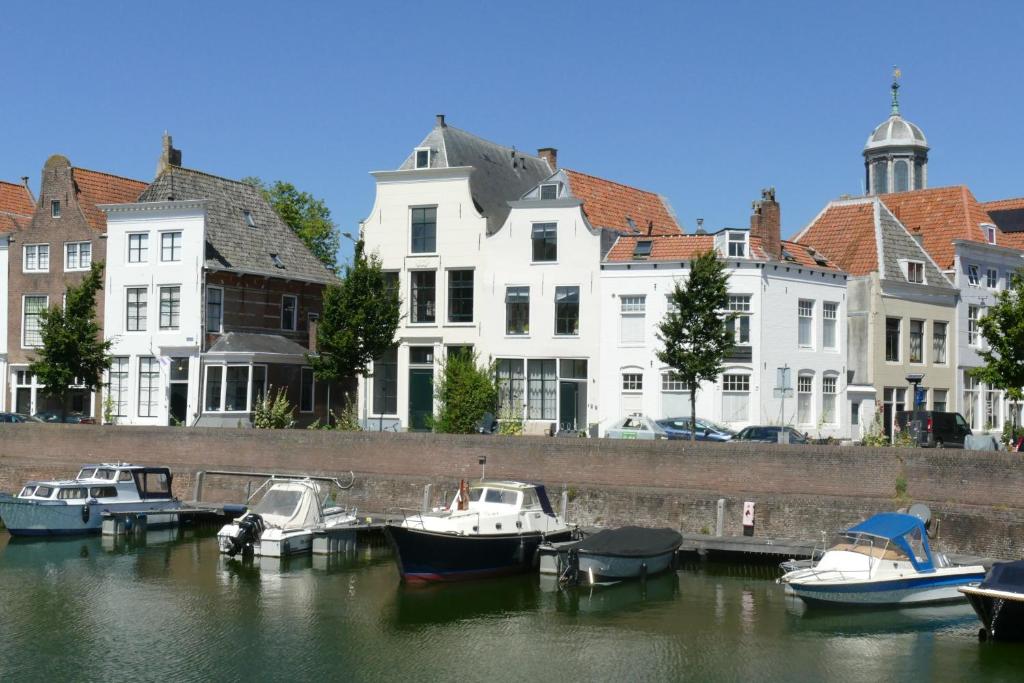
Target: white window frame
{"x":736,"y":382}
{"x":24,"y":313}
{"x":973,"y":275}
{"x":914,"y":268}
{"x":36,"y":247}
{"x":120,"y":394}
{"x":992,"y":278}
{"x":152,"y":407}
{"x":164,"y":234}
{"x":145,"y":327}
{"x":220,"y":321}
{"x":55,"y":208}
{"x":830,"y":318}
{"x":739,"y":304}
{"x":633,"y":306}
{"x":540,"y":192}
{"x":805,"y":390}
{"x":990,"y":232}
{"x":738,"y":239}
{"x":160,"y":309}
{"x":805,"y":313}
{"x":910,"y":342}
{"x":68,"y":268}
{"x":222,"y":399}
{"x":143,"y":249}
{"x":416,"y":157}
{"x":832,"y":380}
{"x":633,"y":382}
{"x":973,"y":328}
{"x":945,"y":343}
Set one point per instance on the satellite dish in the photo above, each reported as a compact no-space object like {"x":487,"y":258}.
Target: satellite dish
{"x":921,"y":511}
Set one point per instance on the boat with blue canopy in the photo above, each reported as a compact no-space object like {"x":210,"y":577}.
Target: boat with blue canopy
{"x":885,"y":560}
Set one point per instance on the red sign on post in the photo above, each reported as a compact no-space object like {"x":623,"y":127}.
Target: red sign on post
{"x":748,"y":514}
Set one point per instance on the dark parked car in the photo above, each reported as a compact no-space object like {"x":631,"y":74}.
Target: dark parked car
{"x":934,"y":429}
{"x":69,"y":418}
{"x":679,"y":428}
{"x":770,"y":434}
{"x":18,"y":418}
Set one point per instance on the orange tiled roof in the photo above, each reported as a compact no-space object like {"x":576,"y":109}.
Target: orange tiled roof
{"x":9,"y":222}
{"x":799,"y":254}
{"x":95,"y":188}
{"x":676,"y":247}
{"x":15,"y":198}
{"x":1006,"y":238}
{"x":609,"y":204}
{"x":845,"y":231}
{"x":1003,"y":204}
{"x":941,"y":214}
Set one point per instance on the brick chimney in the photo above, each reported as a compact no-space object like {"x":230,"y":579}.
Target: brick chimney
{"x":550,"y":155}
{"x":168,"y":156}
{"x":766,"y":223}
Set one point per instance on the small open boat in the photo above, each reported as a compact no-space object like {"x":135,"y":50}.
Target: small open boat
{"x":630,"y":552}
{"x":76,"y":506}
{"x":999,"y":601}
{"x":491,"y":528}
{"x":884,"y":560}
{"x":290,"y":514}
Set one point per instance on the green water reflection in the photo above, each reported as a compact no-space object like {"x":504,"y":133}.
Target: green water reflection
{"x":170,"y":608}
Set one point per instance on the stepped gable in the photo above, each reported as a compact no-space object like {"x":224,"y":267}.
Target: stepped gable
{"x":500,"y":174}
{"x":96,"y":187}
{"x":611,"y":206}
{"x":941,"y":215}
{"x":232,"y":244}
{"x":15,"y":198}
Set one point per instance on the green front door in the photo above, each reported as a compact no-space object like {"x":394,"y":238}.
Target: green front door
{"x":421,"y":398}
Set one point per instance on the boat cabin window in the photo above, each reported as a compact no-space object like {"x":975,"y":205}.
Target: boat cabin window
{"x":278,"y":502}
{"x":123,"y":475}
{"x":103,"y":492}
{"x":44,"y":491}
{"x":87,"y":473}
{"x":105,"y":474}
{"x":75,"y":493}
{"x":153,"y":484}
{"x":917,"y":545}
{"x":474,"y":495}
{"x":27,"y":491}
{"x":500,"y":496}
{"x":530,"y":500}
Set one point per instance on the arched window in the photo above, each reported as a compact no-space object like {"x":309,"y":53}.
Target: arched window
{"x":881,"y":185}
{"x":804,"y":399}
{"x":901,"y":174}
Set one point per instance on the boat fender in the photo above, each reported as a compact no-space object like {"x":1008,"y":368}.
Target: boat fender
{"x":86,"y":513}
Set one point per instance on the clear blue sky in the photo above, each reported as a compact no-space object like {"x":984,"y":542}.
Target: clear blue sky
{"x":704,"y":102}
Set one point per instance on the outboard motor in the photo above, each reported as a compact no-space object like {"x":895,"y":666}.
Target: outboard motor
{"x":250,"y":529}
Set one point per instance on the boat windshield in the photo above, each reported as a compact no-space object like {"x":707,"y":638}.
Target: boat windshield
{"x":87,"y":473}
{"x":27,"y":491}
{"x":500,"y":496}
{"x":43,"y":491}
{"x":872,"y":546}
{"x":73,"y":493}
{"x":278,"y":502}
{"x":474,"y":494}
{"x":105,"y":474}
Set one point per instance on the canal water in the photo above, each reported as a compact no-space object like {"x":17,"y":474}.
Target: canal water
{"x":170,"y":608}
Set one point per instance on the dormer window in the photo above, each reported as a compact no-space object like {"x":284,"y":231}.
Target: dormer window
{"x":738,"y":244}
{"x":549,"y":191}
{"x":632,"y":224}
{"x":278,"y":263}
{"x":249,"y":219}
{"x":422,"y":157}
{"x":642,"y":250}
{"x":915,"y":272}
{"x":55,"y":208}
{"x":990,"y":233}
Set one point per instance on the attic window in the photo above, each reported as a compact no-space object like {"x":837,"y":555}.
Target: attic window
{"x":632,"y":224}
{"x":549,"y":191}
{"x":278,"y":263}
{"x":820,"y":260}
{"x":915,"y":272}
{"x":422,"y":157}
{"x":737,"y":244}
{"x":990,"y":233}
{"x":787,"y":256}
{"x":249,"y":219}
{"x":55,"y":208}
{"x":642,"y":250}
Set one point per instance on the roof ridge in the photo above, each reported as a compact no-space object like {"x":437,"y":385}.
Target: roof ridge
{"x":614,"y":182}
{"x":209,"y":175}
{"x":109,"y":175}
{"x":1001,"y":201}
{"x":925,"y":190}
{"x":489,"y":142}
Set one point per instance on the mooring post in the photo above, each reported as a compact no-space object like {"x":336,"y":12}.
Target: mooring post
{"x":200,"y":476}
{"x":425,"y":508}
{"x":720,"y":517}
{"x":565,"y":506}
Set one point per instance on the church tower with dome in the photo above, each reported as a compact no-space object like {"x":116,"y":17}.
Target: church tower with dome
{"x":896,"y":154}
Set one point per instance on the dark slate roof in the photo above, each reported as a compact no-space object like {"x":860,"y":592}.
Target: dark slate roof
{"x":500,"y":174}
{"x":245,"y":342}
{"x":231,"y":244}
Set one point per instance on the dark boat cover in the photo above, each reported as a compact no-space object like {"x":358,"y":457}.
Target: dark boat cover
{"x":1005,"y":576}
{"x":631,"y":541}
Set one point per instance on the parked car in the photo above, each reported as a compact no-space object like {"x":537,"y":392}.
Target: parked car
{"x":635,"y":427}
{"x":679,"y":428}
{"x":18,"y":418}
{"x":934,"y":429}
{"x":69,"y":418}
{"x":770,"y":434}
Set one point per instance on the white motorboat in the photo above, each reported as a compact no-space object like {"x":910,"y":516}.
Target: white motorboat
{"x":884,"y":560}
{"x":491,"y":528}
{"x":76,"y":506}
{"x":291,"y":512}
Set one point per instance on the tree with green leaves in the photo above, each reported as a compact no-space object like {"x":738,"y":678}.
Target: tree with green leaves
{"x":73,"y":350}
{"x":464,"y":393}
{"x":306,"y":215}
{"x":359,"y":319}
{"x":1002,"y":326}
{"x":695,"y":333}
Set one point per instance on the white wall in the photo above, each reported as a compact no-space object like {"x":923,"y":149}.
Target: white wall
{"x":153,"y":219}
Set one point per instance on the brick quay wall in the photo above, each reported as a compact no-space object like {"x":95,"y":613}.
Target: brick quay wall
{"x":799,"y":491}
